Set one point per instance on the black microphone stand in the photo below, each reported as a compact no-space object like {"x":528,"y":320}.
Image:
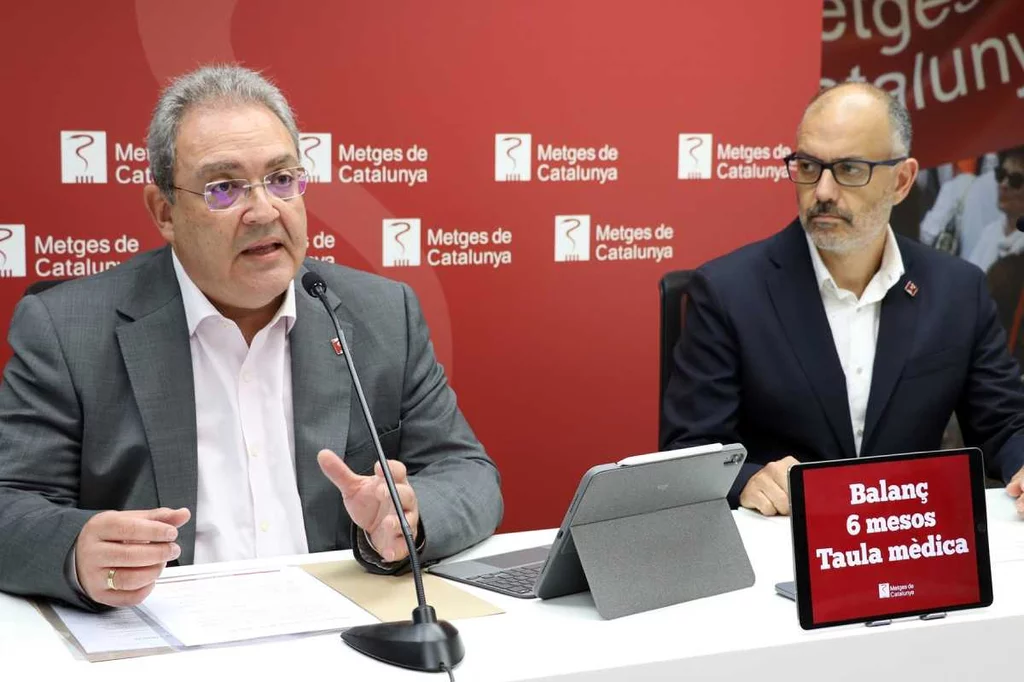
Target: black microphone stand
{"x":424,"y":643}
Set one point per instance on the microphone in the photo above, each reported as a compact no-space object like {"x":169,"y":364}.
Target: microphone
{"x":1020,"y":223}
{"x":424,"y":643}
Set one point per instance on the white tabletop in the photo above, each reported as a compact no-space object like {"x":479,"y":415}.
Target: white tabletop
{"x":751,"y":633}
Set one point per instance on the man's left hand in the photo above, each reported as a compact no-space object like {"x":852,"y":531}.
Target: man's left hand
{"x":369,"y":504}
{"x":1015,"y":488}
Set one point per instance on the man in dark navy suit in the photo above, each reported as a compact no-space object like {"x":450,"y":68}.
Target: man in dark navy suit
{"x":836,"y":338}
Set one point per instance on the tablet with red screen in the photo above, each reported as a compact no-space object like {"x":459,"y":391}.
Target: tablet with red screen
{"x":885,"y":537}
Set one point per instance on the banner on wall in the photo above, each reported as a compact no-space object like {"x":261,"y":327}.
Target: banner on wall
{"x":530,"y":169}
{"x":958,"y":65}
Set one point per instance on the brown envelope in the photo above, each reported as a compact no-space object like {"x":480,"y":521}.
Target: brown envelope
{"x":390,"y":597}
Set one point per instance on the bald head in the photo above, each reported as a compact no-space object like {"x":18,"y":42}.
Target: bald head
{"x":854,"y":138}
{"x":864,"y":110}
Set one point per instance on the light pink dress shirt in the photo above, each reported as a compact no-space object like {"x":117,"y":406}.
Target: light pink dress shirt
{"x":248,"y":501}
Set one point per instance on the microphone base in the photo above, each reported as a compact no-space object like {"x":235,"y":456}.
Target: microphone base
{"x":422,"y":644}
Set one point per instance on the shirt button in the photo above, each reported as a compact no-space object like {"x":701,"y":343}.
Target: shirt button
{"x":254,"y":451}
{"x":860,"y":433}
{"x":246,"y":376}
{"x":860,"y":370}
{"x":265,"y":526}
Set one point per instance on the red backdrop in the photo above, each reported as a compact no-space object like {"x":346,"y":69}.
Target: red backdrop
{"x":555,"y":363}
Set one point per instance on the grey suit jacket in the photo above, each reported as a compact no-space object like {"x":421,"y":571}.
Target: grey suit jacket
{"x":97,"y":411}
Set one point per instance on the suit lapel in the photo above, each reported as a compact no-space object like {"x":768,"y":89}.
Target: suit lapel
{"x":896,"y":327}
{"x":794,"y":292}
{"x":321,"y":398}
{"x":153,"y":337}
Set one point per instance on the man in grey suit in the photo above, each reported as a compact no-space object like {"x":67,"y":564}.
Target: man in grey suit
{"x":187,"y":406}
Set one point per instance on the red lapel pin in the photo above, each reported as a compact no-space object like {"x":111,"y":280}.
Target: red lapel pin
{"x":910,"y":288}
{"x":336,"y":344}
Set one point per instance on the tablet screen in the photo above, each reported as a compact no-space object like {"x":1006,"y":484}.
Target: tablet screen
{"x":883,"y":537}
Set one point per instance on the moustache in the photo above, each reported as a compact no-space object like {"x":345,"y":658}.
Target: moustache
{"x":830,"y":210}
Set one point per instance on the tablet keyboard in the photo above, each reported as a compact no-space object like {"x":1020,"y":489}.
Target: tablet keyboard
{"x":518,"y":581}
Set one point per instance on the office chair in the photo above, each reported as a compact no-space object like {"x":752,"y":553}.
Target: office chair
{"x":672,"y":290}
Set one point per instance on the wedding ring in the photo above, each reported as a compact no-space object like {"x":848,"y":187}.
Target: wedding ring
{"x":110,"y":579}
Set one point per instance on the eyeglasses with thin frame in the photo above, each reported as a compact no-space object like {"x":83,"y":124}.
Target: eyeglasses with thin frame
{"x":1014,"y":180}
{"x":807,"y":170}
{"x":223,"y":195}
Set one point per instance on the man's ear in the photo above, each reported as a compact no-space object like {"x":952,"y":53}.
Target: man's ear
{"x":906,"y":176}
{"x":160,"y":211}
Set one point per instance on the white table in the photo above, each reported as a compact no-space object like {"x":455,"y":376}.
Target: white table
{"x":749,"y":634}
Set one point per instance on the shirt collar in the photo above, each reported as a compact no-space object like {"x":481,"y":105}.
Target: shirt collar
{"x":198,"y":306}
{"x":889,"y":272}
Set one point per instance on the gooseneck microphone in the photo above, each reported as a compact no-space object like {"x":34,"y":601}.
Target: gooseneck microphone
{"x":424,"y":643}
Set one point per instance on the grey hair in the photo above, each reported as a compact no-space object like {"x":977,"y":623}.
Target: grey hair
{"x":899,"y":116}
{"x":221,"y":83}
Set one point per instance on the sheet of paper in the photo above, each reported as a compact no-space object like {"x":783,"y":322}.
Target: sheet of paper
{"x":231,"y":608}
{"x":392,"y":597}
{"x":117,"y":630}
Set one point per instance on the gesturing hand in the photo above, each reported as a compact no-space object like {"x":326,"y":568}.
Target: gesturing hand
{"x":120,"y":554}
{"x":369,"y":505}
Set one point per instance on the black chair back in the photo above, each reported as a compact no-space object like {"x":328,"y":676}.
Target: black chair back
{"x":672,"y":289}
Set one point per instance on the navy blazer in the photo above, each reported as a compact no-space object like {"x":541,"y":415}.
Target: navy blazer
{"x":756,"y":362}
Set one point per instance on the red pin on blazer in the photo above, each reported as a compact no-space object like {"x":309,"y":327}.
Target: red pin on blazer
{"x":336,"y":345}
{"x":910,"y":288}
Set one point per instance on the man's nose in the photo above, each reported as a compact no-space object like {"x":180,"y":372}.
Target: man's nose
{"x":827,"y":188}
{"x":259,"y":209}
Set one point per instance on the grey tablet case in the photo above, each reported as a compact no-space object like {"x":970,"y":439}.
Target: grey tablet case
{"x":653,"y":534}
{"x":643,"y":533}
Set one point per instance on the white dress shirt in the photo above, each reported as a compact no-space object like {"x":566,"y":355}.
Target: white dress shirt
{"x":994,"y":244}
{"x":854,"y":324}
{"x":248,"y":501}
{"x":977,"y":198}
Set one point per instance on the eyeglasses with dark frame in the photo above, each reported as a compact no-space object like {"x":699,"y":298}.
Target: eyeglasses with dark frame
{"x":223,"y":195}
{"x":807,"y":170}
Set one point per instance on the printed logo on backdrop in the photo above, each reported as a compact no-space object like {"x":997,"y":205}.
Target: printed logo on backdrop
{"x":701,"y":159}
{"x":512,"y":157}
{"x":321,"y":246}
{"x":12,"y":251}
{"x":401,"y":237}
{"x":446,"y":247}
{"x":375,"y":165}
{"x":58,"y":256}
{"x":514,"y":161}
{"x":576,"y":241}
{"x":83,"y":159}
{"x":460,"y":247}
{"x":83,"y":156}
{"x":572,"y":238}
{"x":695,"y":156}
{"x":315,"y":155}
